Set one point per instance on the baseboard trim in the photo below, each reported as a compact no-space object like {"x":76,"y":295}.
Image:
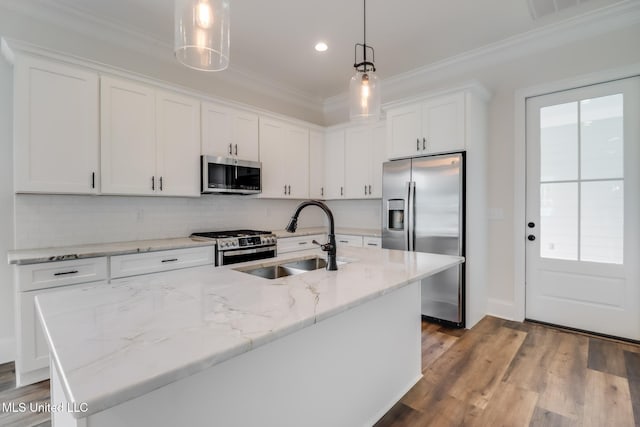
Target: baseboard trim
{"x":7,"y":350}
{"x":501,"y":308}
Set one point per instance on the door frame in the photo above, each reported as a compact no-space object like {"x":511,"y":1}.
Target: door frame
{"x":520,"y":163}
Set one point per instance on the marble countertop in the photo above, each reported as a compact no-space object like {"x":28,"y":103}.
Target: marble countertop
{"x":63,"y":253}
{"x":370,"y":232}
{"x":112,"y":343}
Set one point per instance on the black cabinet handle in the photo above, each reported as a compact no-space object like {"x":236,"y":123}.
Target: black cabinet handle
{"x":285,"y":189}
{"x":369,"y":189}
{"x":160,"y":183}
{"x":342,"y":191}
{"x":62,"y":273}
{"x":302,"y":243}
{"x":229,"y":149}
{"x":93,"y":180}
{"x":170,"y":260}
{"x":531,"y":237}
{"x":153,"y":183}
{"x":236,"y":149}
{"x":365,"y":190}
{"x":372,"y":244}
{"x":531,"y":224}
{"x":343,"y":241}
{"x":289,"y":191}
{"x":424,"y":142}
{"x":417,"y":144}
{"x":322,"y":191}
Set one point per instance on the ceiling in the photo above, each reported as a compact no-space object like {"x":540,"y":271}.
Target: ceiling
{"x":274,"y":39}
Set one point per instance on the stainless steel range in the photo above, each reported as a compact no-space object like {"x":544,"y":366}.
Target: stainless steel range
{"x":236,"y":246}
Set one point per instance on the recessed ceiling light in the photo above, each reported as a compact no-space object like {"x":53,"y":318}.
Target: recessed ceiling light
{"x":321,"y":46}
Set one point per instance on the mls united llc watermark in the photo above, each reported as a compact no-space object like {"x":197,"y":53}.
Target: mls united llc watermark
{"x":40,"y":407}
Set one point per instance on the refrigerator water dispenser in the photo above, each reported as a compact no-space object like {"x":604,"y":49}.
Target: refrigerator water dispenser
{"x":396,"y":214}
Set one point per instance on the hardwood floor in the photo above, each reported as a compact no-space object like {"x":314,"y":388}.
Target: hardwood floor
{"x":503,"y":373}
{"x":35,"y":393}
{"x":499,"y":373}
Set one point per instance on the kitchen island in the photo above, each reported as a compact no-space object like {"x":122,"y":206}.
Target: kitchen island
{"x":217,"y":346}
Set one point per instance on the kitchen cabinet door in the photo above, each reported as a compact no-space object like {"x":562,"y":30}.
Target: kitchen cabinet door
{"x":178,"y":145}
{"x":378,"y":148}
{"x":443,"y":124}
{"x":272,"y":135}
{"x":128,"y":137}
{"x":245,"y":136}
{"x":404,"y":131}
{"x":316,"y":165}
{"x":296,"y":162}
{"x":32,"y":357}
{"x":334,"y":164}
{"x":217,"y":130}
{"x":227,"y":132}
{"x":357,"y":155}
{"x":56,"y":128}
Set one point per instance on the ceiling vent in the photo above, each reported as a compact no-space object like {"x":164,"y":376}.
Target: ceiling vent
{"x":540,"y":8}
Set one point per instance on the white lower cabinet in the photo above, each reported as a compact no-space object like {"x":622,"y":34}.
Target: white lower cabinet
{"x":299,"y":243}
{"x":32,"y":352}
{"x":156,"y":262}
{"x":348,"y":240}
{"x":372,"y":242}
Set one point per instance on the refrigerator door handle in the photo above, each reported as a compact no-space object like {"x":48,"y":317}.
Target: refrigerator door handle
{"x":411,"y":194}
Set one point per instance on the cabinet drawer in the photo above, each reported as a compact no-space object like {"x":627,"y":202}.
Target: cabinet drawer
{"x":60,"y":273}
{"x":348,"y":240}
{"x":292,"y":244}
{"x":372,"y":242}
{"x":155,"y":262}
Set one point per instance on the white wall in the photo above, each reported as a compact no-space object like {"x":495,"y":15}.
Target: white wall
{"x":6,"y":211}
{"x":356,"y":213}
{"x":55,"y":220}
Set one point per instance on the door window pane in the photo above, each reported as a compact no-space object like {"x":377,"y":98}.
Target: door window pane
{"x":601,"y":137}
{"x":559,"y":220}
{"x":559,"y":142}
{"x":602,"y":221}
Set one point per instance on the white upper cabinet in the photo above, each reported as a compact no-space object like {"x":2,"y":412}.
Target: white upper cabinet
{"x":56,"y":128}
{"x":149,"y":140}
{"x":433,"y":126}
{"x":177,"y":145}
{"x":334,"y":163}
{"x":363,"y":154}
{"x":316,"y":165}
{"x":284,"y":153}
{"x":227,"y":132}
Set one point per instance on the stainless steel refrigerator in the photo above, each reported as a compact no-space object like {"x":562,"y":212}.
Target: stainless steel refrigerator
{"x":423,"y":209}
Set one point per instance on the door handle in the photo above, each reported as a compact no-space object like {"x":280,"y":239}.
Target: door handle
{"x":531,"y":237}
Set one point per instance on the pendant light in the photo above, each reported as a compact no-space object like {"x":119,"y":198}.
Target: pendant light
{"x":201,"y":38}
{"x":364,"y":88}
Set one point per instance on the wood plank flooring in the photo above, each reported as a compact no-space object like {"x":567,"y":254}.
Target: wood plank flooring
{"x":35,"y":393}
{"x":499,"y":373}
{"x":503,"y":373}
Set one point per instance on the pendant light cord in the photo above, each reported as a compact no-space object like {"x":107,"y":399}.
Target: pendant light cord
{"x":364,"y":50}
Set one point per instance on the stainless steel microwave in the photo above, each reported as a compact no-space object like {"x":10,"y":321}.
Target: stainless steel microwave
{"x":229,"y":176}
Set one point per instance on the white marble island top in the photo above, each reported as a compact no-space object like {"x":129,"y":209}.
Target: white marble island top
{"x":116,"y":342}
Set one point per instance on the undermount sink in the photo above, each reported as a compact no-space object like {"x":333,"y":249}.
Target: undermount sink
{"x":286,"y":268}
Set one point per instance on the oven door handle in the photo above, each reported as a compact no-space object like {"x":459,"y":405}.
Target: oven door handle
{"x":248,"y":251}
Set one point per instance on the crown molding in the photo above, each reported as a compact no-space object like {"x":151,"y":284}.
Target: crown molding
{"x":594,"y":23}
{"x":149,"y":45}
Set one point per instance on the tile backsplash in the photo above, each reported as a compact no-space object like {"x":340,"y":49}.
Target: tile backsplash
{"x":61,"y":220}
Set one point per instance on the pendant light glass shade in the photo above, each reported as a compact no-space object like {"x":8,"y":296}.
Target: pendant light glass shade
{"x":202,"y":34}
{"x":364,"y":96}
{"x":364,"y":88}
